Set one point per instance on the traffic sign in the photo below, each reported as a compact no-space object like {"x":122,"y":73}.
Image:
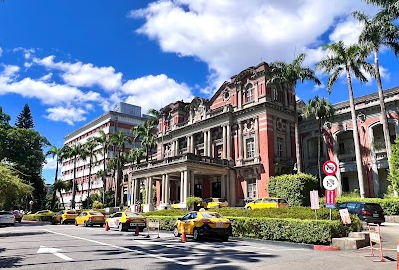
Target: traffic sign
{"x":330,"y":182}
{"x":314,"y":199}
{"x":330,"y":197}
{"x":330,"y":167}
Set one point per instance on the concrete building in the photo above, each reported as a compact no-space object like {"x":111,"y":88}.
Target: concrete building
{"x":339,"y":146}
{"x":227,"y":146}
{"x":124,"y":117}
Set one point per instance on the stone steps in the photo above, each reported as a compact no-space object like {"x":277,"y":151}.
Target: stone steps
{"x":355,"y":240}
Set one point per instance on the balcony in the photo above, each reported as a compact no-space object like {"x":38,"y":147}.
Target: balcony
{"x":180,"y":159}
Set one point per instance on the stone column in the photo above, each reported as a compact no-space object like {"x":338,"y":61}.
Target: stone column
{"x":256,"y":142}
{"x":228,"y":153}
{"x":181,"y":186}
{"x":192,"y":183}
{"x":163,"y":189}
{"x":210,"y":143}
{"x":239,"y":96}
{"x":167,"y":184}
{"x":240,"y":146}
{"x":224,"y":151}
{"x":256,"y":93}
{"x":132,"y":192}
{"x":192,"y":143}
{"x":205,"y":143}
{"x":185,"y":191}
{"x":150,"y":194}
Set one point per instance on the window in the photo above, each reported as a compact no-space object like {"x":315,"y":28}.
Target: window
{"x":249,"y":95}
{"x":280,"y":147}
{"x":250,"y":143}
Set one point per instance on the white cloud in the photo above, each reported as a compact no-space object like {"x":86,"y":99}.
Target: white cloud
{"x":51,"y":163}
{"x":230,"y":36}
{"x":155,"y":92}
{"x":27,"y":52}
{"x":67,"y":115}
{"x":46,"y":77}
{"x":84,"y":75}
{"x":347,"y":31}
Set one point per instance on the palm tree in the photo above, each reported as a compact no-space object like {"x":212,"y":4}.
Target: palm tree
{"x":288,"y":75}
{"x":91,"y":153}
{"x":348,"y":59}
{"x":55,"y":152}
{"x":378,"y":32}
{"x":390,"y":7}
{"x":103,"y":140}
{"x":60,"y":185}
{"x":75,"y":152}
{"x":154,"y":116}
{"x":118,"y":140}
{"x":321,"y":109}
{"x":148,"y":136}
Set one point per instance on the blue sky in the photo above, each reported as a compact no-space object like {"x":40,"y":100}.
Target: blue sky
{"x":72,"y":60}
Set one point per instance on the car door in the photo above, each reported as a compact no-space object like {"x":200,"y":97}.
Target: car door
{"x":258,"y":204}
{"x":81,"y":218}
{"x":190,"y":223}
{"x":181,"y":226}
{"x":116,"y":219}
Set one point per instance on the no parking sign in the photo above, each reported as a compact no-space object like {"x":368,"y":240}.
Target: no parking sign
{"x":330,"y":167}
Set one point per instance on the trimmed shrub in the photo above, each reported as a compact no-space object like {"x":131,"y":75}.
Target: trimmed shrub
{"x":295,"y":188}
{"x":37,"y":218}
{"x":167,"y":212}
{"x":390,"y":206}
{"x":193,"y":201}
{"x":97,"y":205}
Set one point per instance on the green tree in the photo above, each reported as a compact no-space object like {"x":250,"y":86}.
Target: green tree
{"x":103,"y":140}
{"x":74,"y":152}
{"x":56,"y":153}
{"x":147,"y":135}
{"x":348,"y":59}
{"x":91,"y":153}
{"x":13,"y":190}
{"x":4,"y":119}
{"x":393,"y":175}
{"x":24,"y":119}
{"x":321,"y":109}
{"x":4,"y":126}
{"x":58,"y":186}
{"x":377,"y":33}
{"x":390,"y":8}
{"x":288,"y":75}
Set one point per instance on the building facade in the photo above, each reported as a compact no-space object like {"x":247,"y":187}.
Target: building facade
{"x":123,"y":118}
{"x":338,"y":145}
{"x":227,"y":146}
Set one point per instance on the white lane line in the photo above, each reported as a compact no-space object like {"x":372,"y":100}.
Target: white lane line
{"x":121,"y":248}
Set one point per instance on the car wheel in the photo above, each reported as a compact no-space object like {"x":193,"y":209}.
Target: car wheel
{"x":224,"y":238}
{"x":76,"y":223}
{"x":52,"y":222}
{"x":61,"y":221}
{"x":196,"y":235}
{"x":249,"y":208}
{"x":20,"y":220}
{"x":101,"y":225}
{"x":12,"y":224}
{"x":176,"y":232}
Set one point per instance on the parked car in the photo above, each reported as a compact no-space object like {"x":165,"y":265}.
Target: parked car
{"x":7,"y":218}
{"x":366,"y":211}
{"x":64,"y":216}
{"x":214,"y":203}
{"x":266,"y":203}
{"x":18,"y":215}
{"x":126,"y":220}
{"x":90,"y":218}
{"x":203,"y":223}
{"x":44,"y":213}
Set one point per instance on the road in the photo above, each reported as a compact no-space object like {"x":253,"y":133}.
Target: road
{"x":43,"y":246}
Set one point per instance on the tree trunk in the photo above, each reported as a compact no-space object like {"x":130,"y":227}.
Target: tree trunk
{"x":319,"y":155}
{"x":74,"y":184}
{"x":89,"y":182}
{"x":359,"y":164}
{"x":62,"y":199}
{"x":297,"y":141}
{"x":104,"y":177}
{"x":384,"y":120}
{"x":55,"y":191}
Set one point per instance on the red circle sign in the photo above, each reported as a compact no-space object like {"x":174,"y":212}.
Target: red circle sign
{"x":330,"y":167}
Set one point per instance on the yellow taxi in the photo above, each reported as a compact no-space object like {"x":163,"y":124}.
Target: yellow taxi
{"x":266,"y":203}
{"x":203,"y":223}
{"x":126,"y":220}
{"x":90,"y":218}
{"x":214,"y":203}
{"x":44,"y":213}
{"x":64,"y":216}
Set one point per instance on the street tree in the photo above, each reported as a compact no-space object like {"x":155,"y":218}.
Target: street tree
{"x":321,"y":109}
{"x":287,"y":75}
{"x":103,"y":140}
{"x":91,"y":153}
{"x":348,"y":60}
{"x":56,"y":153}
{"x":59,"y":186}
{"x":379,"y":33}
{"x":24,"y":119}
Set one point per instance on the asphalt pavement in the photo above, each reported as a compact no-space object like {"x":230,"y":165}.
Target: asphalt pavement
{"x":43,"y":246}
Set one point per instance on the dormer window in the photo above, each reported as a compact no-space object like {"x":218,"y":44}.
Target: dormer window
{"x":226,"y":95}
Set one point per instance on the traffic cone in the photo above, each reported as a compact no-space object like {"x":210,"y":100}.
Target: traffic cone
{"x":183,"y":238}
{"x":106,"y":227}
{"x":136,"y":233}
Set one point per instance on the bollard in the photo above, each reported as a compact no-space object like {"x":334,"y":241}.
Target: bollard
{"x":136,"y":233}
{"x":106,"y":227}
{"x":183,"y":238}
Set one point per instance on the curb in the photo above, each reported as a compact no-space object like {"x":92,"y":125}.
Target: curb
{"x":326,"y":248}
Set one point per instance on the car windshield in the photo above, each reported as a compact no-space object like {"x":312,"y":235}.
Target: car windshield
{"x":131,"y":214}
{"x":212,"y":215}
{"x":95,"y":213}
{"x":70,"y":212}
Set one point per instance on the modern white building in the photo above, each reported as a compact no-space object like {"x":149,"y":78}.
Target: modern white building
{"x":124,"y":117}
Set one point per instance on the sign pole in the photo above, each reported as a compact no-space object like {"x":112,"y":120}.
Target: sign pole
{"x":330,"y":214}
{"x":315,"y":213}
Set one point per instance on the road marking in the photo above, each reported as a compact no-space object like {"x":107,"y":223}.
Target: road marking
{"x":121,"y":248}
{"x":54,"y":251}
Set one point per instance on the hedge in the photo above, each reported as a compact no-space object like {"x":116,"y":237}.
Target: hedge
{"x":37,"y":218}
{"x":292,"y":230}
{"x":390,"y":206}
